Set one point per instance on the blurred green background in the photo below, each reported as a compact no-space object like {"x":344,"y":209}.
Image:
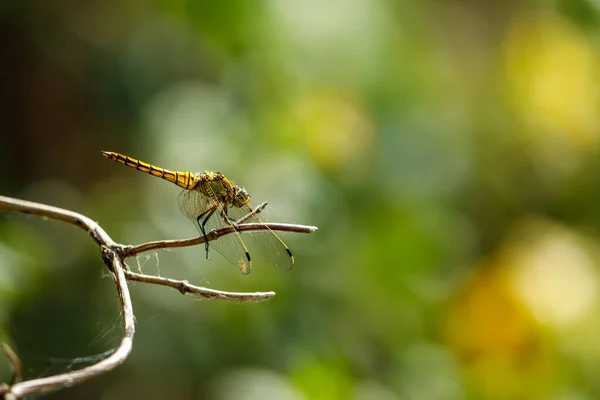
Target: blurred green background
{"x":448,"y":151}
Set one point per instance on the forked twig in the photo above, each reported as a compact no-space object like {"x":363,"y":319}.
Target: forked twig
{"x":113,"y":255}
{"x":183,"y":285}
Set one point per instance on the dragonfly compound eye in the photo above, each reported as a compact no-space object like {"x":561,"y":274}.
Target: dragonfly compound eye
{"x":240,"y":196}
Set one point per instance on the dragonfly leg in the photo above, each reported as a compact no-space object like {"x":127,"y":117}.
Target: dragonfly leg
{"x":226,"y":218}
{"x":205,"y":216}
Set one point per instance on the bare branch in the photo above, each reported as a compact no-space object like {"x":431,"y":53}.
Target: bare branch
{"x":113,"y":255}
{"x":129,"y":251}
{"x":185,"y":287}
{"x":112,"y":258}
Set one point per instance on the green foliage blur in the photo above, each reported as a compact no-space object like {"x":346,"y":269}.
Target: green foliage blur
{"x":448,"y":151}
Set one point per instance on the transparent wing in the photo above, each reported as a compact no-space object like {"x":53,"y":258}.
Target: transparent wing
{"x":208,"y":212}
{"x":266,"y":244}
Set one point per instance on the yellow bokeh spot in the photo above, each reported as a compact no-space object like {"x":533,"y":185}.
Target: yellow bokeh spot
{"x":552,"y":72}
{"x":553,"y":274}
{"x":337,"y":128}
{"x":501,"y":348}
{"x":527,"y":299}
{"x":485,"y":319}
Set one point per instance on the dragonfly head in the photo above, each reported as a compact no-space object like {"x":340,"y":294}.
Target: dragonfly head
{"x":240,"y":196}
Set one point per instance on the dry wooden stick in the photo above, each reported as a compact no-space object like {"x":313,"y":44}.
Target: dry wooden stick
{"x":128,"y":251}
{"x":185,"y":287}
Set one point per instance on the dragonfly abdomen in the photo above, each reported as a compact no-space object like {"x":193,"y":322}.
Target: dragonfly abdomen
{"x":186,"y":180}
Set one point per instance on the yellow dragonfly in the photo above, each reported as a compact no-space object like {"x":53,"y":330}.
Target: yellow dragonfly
{"x":211,"y":201}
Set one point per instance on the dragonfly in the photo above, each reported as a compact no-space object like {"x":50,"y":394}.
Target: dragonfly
{"x":211,"y":201}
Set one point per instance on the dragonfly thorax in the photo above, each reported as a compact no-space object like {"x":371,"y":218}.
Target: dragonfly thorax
{"x":215,"y":185}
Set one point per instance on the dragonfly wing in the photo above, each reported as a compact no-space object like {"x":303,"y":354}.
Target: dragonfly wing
{"x":198,"y":207}
{"x":194,"y":204}
{"x":266,"y":244}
